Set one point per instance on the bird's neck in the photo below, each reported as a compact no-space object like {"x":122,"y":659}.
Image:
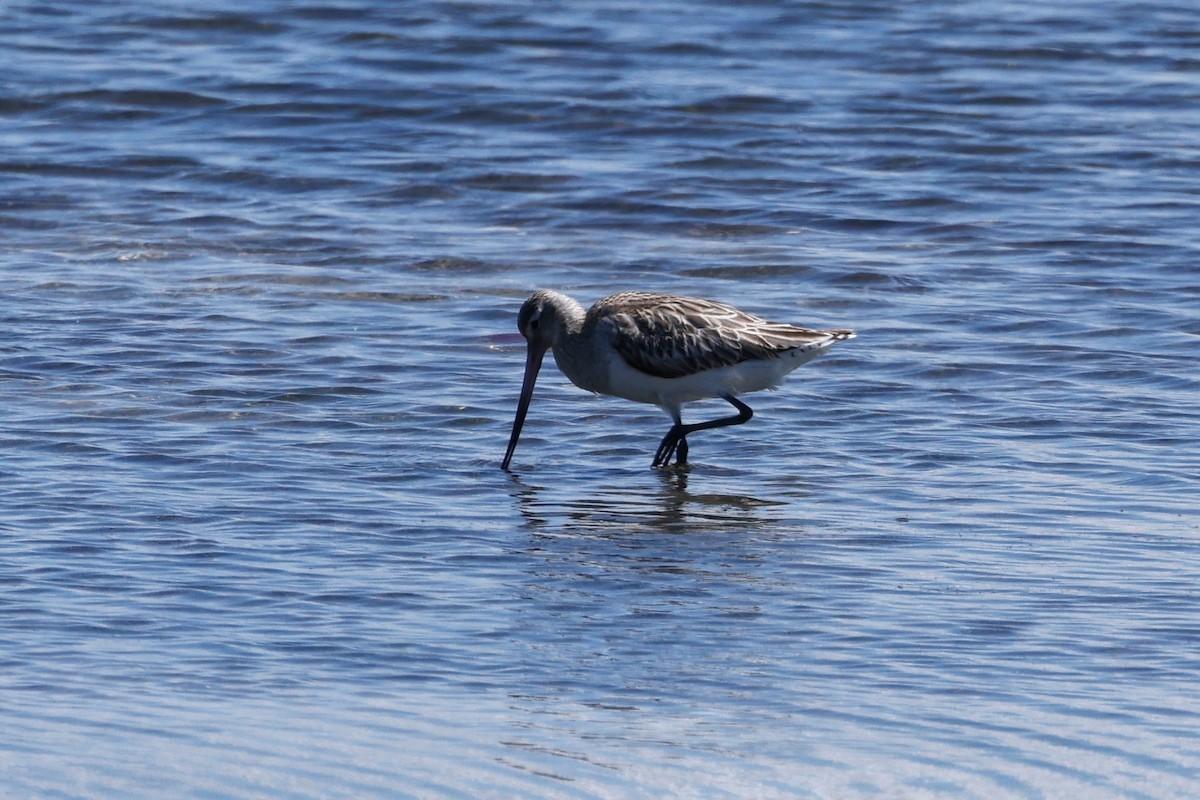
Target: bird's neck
{"x":570,"y":314}
{"x":576,"y":351}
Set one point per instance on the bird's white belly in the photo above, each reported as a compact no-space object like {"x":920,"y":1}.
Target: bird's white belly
{"x":742,"y":378}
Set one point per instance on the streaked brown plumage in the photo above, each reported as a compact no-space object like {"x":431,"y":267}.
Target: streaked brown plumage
{"x":669,"y":336}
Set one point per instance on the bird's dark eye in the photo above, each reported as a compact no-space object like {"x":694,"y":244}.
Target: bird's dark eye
{"x":533,"y":324}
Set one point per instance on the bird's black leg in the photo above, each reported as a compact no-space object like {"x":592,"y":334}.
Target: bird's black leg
{"x":675,"y":442}
{"x":671,"y":443}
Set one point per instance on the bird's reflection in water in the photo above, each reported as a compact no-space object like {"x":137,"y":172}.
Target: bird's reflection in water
{"x":658,"y":501}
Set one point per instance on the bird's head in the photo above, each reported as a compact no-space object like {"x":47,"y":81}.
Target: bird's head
{"x":543,"y":320}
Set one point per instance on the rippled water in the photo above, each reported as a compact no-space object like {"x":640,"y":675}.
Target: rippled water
{"x":260,"y":270}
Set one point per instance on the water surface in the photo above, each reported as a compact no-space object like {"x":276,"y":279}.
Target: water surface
{"x":258,"y":283}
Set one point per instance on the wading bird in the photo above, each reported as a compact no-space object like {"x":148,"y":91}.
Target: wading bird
{"x":662,"y":349}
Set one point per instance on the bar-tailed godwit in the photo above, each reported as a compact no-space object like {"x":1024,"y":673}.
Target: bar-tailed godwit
{"x":662,"y":349}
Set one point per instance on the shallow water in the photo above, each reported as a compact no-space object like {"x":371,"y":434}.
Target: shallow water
{"x":260,"y":270}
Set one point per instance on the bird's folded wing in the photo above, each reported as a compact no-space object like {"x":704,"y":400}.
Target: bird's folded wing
{"x":670,"y":337}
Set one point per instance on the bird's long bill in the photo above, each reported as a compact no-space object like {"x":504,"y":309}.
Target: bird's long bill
{"x":533,"y":363}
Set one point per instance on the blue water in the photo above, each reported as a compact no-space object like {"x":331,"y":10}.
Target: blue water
{"x":259,"y":270}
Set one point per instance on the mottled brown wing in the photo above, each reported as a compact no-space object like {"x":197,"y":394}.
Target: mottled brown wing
{"x":670,"y":337}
